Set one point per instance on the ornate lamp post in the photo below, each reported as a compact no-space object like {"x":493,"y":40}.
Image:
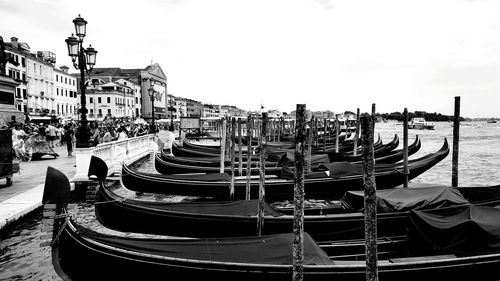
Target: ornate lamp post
{"x":84,"y":60}
{"x":172,"y":110}
{"x":152,"y":93}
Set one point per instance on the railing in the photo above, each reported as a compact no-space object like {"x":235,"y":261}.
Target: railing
{"x":128,"y":151}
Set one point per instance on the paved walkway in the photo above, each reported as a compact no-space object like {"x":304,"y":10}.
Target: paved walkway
{"x":25,"y":193}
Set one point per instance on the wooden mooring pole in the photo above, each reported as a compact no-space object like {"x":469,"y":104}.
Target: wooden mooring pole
{"x":356,"y":136}
{"x":223,"y":145}
{"x":262,"y":174}
{"x":456,"y":137}
{"x":406,"y":172}
{"x":249,"y":157}
{"x":309,"y":144}
{"x":298,"y":211}
{"x":233,"y":155}
{"x":370,"y":198}
{"x":240,"y":149}
{"x":337,"y":133}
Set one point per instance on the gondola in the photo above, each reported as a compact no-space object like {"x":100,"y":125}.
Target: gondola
{"x":177,"y":150}
{"x":181,"y":164}
{"x":239,"y":218}
{"x":330,"y":183}
{"x":164,"y":166}
{"x":429,"y":252}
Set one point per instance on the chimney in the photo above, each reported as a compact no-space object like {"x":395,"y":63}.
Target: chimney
{"x":13,"y":41}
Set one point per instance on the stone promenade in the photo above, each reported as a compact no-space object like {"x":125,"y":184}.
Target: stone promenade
{"x":25,"y":193}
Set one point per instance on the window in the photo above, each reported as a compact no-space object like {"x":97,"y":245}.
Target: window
{"x":109,"y":111}
{"x":100,"y":111}
{"x":92,"y":111}
{"x":109,"y":100}
{"x":23,"y":62}
{"x":136,"y":99}
{"x":24,"y":94}
{"x":18,"y":93}
{"x":65,"y":80}
{"x":24,"y":76}
{"x":57,"y":91}
{"x":91,"y":100}
{"x":99,"y":100}
{"x":57,"y":78}
{"x":57,"y":108}
{"x":66,"y":92}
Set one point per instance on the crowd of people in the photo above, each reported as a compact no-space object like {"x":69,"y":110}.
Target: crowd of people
{"x":32,"y":141}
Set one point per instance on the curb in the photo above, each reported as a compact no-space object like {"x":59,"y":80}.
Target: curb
{"x":20,"y":205}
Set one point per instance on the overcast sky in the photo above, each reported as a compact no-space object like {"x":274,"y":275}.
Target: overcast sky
{"x":329,"y":54}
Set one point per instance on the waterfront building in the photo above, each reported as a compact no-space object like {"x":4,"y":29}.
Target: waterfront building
{"x":65,"y":98}
{"x":109,"y":99}
{"x":210,"y":110}
{"x":193,"y":108}
{"x":15,"y":68}
{"x":142,"y":80}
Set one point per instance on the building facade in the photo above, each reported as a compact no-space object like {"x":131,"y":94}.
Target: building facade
{"x":65,"y":98}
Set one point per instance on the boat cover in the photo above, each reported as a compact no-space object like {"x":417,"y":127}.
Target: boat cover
{"x":404,"y":199}
{"x":211,"y":177}
{"x":462,"y":230}
{"x":271,"y":249}
{"x":345,"y":169}
{"x":226,"y":208}
{"x":288,"y":157}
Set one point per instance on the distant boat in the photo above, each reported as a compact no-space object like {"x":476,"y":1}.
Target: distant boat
{"x":420,"y":123}
{"x":491,"y":121}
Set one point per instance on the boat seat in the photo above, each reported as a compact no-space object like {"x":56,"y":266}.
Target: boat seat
{"x":422,"y":258}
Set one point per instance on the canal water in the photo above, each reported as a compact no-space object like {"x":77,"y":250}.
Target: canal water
{"x":21,"y":258}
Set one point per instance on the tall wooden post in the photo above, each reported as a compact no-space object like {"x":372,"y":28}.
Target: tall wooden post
{"x":298,"y":211}
{"x":373,"y":118}
{"x":337,"y":133}
{"x":406,"y":172}
{"x":456,"y":137}
{"x":324,"y":133}
{"x":233,"y":152}
{"x":316,"y":131}
{"x":356,"y":137}
{"x":262,"y":175}
{"x":370,"y":198}
{"x":240,"y":149}
{"x":223,"y":145}
{"x":228,"y":139}
{"x":309,"y":144}
{"x":249,"y":157}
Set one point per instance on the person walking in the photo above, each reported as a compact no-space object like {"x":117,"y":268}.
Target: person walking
{"x":68,"y":138}
{"x":51,"y":134}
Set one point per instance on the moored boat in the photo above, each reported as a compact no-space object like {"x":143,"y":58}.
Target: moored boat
{"x":420,"y":123}
{"x":330,"y":181}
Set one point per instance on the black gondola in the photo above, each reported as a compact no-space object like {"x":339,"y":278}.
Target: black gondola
{"x":341,"y":177}
{"x":428,"y":252}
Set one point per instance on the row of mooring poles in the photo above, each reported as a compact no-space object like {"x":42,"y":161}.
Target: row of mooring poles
{"x":366,"y":124}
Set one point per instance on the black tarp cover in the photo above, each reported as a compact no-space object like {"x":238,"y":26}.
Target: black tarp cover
{"x":461,"y":230}
{"x":227,"y":208}
{"x":211,"y":177}
{"x":271,"y":249}
{"x":344,"y":169}
{"x":404,"y":199}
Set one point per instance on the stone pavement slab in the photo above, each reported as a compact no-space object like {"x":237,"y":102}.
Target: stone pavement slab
{"x":25,"y":193}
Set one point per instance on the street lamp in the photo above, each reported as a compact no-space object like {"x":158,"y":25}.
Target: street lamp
{"x":152,"y":92}
{"x":172,"y":110}
{"x":84,"y":60}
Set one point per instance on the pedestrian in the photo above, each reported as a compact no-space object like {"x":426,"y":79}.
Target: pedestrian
{"x":51,"y":134}
{"x":121,"y":134}
{"x":68,"y":138}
